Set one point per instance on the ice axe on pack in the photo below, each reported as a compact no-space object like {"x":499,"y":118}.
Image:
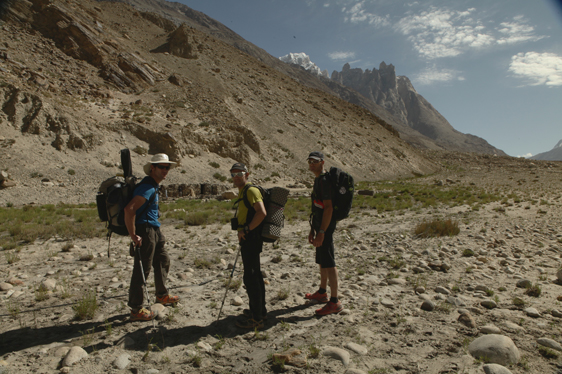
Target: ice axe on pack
{"x":136,"y":248}
{"x":228,"y":284}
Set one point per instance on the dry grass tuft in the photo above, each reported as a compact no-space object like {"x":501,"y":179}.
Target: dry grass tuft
{"x":437,"y":228}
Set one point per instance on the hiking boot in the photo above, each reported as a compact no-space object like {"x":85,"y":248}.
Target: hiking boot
{"x":248,"y":314}
{"x":167,"y":300}
{"x":142,"y":315}
{"x":318,"y":297}
{"x":250,"y":324}
{"x":329,"y":309}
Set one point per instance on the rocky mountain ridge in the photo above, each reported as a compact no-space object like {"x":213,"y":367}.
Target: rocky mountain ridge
{"x":397,"y":95}
{"x":82,"y":81}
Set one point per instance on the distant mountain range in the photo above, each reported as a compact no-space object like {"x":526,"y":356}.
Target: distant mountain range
{"x":555,"y":154}
{"x":390,"y":98}
{"x":418,"y":122}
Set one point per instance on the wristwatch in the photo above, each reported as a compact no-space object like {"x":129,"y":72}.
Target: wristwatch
{"x":321,"y":231}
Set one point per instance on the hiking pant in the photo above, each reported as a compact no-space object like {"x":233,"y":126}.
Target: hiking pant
{"x":253,"y":278}
{"x":154,"y":255}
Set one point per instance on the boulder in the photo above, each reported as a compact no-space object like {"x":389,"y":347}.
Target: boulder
{"x":494,"y":348}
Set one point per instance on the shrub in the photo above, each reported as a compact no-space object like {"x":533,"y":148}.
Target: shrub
{"x":214,"y":164}
{"x":86,"y":307}
{"x":219,"y":176}
{"x":140,"y":150}
{"x":437,"y":228}
{"x":534,"y":290}
{"x":71,"y":171}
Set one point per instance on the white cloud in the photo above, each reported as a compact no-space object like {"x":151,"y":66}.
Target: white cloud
{"x":526,"y":156}
{"x":433,"y":75}
{"x":356,"y":14}
{"x":341,"y":55}
{"x":539,"y":68}
{"x":516,"y":32}
{"x":439,"y":33}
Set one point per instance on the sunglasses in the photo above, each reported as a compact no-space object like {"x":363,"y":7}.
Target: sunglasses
{"x":161,"y":167}
{"x":239,"y":174}
{"x":313,"y":161}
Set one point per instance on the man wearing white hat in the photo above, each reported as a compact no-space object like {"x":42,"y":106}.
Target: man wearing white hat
{"x":145,"y":233}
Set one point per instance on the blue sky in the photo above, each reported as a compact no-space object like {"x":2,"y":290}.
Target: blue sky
{"x":492,"y":68}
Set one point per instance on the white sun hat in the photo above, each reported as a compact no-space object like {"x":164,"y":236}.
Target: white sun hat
{"x":159,"y":158}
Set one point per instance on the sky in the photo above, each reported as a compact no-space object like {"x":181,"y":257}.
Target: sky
{"x":492,"y":68}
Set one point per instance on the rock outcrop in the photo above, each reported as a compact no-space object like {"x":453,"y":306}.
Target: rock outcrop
{"x":397,"y":95}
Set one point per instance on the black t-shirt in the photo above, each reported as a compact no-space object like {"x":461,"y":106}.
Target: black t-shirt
{"x":321,"y":191}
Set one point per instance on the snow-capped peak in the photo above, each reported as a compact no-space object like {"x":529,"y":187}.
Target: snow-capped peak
{"x":558,"y":145}
{"x":303,"y":60}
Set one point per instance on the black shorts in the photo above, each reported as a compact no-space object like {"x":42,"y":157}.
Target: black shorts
{"x":325,"y":253}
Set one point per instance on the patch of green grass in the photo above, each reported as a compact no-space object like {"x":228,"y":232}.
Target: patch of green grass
{"x":29,"y":223}
{"x":548,"y":353}
{"x":216,"y":165}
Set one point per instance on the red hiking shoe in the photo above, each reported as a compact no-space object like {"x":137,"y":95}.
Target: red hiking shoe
{"x":329,"y":309}
{"x":142,"y":315}
{"x":318,"y":297}
{"x":167,"y":300}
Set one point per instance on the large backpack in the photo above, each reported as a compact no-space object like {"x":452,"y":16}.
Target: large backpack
{"x":114,"y":195}
{"x":274,"y":200}
{"x":343,"y":189}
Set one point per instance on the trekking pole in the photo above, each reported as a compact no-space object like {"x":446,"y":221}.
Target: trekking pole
{"x":228,"y":284}
{"x":137,"y":252}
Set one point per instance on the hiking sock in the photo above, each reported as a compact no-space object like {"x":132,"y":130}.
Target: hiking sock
{"x":321,"y":290}
{"x":334,"y":300}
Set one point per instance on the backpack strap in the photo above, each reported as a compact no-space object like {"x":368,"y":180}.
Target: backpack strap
{"x":153,"y":183}
{"x":244,"y":198}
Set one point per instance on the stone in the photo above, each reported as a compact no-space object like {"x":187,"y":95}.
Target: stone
{"x":559,"y":275}
{"x":557,"y":313}
{"x":496,"y":349}
{"x":428,"y":305}
{"x":160,"y":311}
{"x":550,"y":343}
{"x":467,"y":320}
{"x":359,"y":349}
{"x":524,"y":283}
{"x":236,"y":301}
{"x":74,"y":355}
{"x":338,"y":354}
{"x":442,"y":290}
{"x":490,"y":329}
{"x":532,"y":312}
{"x":5,"y":286}
{"x":489,"y":304}
{"x":495,"y":369}
{"x":122,"y":361}
{"x":49,"y":284}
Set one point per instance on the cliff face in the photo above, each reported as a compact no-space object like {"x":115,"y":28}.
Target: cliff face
{"x":411,"y":110}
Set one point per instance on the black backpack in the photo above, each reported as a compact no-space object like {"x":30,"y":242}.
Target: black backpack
{"x":114,"y":195}
{"x":274,"y":200}
{"x":343,"y":189}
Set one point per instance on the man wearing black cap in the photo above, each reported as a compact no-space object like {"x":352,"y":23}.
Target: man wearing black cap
{"x":321,"y":236}
{"x":251,"y":243}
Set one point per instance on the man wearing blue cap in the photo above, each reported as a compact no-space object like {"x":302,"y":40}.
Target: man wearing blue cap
{"x":321,"y":234}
